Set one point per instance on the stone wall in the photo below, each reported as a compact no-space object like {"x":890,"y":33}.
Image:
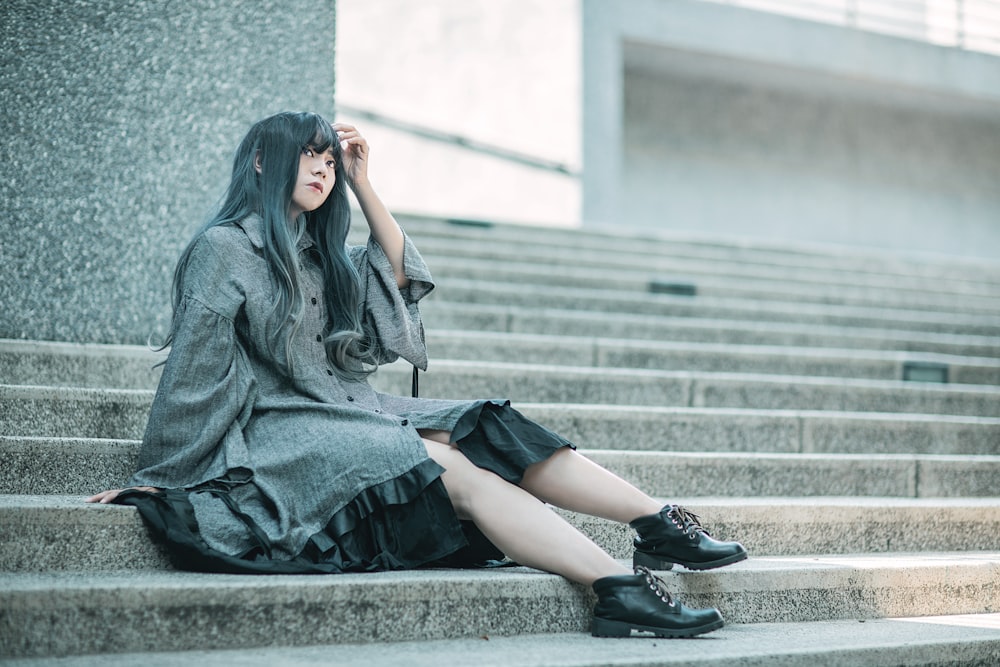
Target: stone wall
{"x":118,"y":122}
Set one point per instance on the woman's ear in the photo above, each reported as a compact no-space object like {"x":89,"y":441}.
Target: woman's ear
{"x":256,"y":162}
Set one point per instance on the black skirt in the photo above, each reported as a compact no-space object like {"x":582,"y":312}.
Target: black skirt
{"x":404,"y":523}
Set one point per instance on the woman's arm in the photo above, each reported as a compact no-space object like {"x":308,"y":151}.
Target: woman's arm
{"x":384,"y":228}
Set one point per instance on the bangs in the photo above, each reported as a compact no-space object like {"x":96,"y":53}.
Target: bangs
{"x":319,"y":135}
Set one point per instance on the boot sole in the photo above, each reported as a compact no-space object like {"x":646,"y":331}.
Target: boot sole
{"x":660,"y":563}
{"x":603,"y":627}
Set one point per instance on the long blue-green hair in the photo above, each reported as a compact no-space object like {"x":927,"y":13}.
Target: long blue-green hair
{"x":275,"y":144}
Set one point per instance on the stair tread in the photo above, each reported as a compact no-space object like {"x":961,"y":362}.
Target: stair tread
{"x":844,"y":642}
{"x":842,"y":567}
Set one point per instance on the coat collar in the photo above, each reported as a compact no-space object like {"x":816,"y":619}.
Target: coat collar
{"x":253,"y":227}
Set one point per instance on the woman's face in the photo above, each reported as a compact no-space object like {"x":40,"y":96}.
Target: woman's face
{"x":317,"y":174}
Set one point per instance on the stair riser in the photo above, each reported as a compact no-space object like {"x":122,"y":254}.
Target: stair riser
{"x":474,"y":317}
{"x":311,"y":610}
{"x":131,"y":368}
{"x":452,"y":276}
{"x":685,"y":476}
{"x":737,"y":431}
{"x":82,"y":467}
{"x":804,"y":530}
{"x":979,"y":316}
{"x":524,"y":385}
{"x":65,"y":466}
{"x":52,"y":623}
{"x":609,"y":354}
{"x":77,"y":540}
{"x":70,"y":369}
{"x":90,"y":538}
{"x":613,"y":251}
{"x":598,"y":427}
{"x":91,"y":414}
{"x":601,"y":271}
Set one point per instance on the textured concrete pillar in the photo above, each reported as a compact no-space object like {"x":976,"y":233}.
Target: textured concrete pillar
{"x":118,"y":122}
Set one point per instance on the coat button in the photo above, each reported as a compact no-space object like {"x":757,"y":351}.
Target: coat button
{"x":377,"y":411}
{"x":314,"y":301}
{"x":319,"y":338}
{"x":329,"y":372}
{"x":350,"y":398}
{"x":405,"y":422}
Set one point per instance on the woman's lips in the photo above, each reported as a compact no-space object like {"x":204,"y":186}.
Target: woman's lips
{"x":318,"y":187}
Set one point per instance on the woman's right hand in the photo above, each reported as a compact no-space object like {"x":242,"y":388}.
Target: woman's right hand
{"x":105,"y":497}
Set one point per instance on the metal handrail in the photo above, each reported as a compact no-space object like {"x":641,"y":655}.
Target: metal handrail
{"x":457,"y":140}
{"x":972,"y":25}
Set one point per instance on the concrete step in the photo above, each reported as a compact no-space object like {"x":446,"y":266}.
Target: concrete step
{"x":131,"y":367}
{"x":779,"y":431}
{"x":121,"y":413}
{"x":751,"y":475}
{"x":39,"y":465}
{"x":971,"y":640}
{"x":705,"y":283}
{"x":790,"y":526}
{"x":956,"y":319}
{"x":638,"y":268}
{"x":52,"y":614}
{"x":517,"y":319}
{"x":710,"y":357}
{"x":567,"y":384}
{"x":64,"y":364}
{"x":75,"y":414}
{"x":83,"y":537}
{"x":632,"y":248}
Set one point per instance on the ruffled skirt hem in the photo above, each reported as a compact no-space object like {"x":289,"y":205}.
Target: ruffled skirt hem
{"x":403,"y":523}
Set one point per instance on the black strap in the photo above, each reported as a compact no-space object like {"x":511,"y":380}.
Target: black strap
{"x":415,"y":386}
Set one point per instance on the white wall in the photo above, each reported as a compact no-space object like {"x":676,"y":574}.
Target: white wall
{"x":730,"y":121}
{"x":503,"y":73}
{"x":750,"y":158}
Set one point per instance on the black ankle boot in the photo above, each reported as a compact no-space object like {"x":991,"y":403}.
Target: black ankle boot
{"x":675,"y":535}
{"x":641,"y":602}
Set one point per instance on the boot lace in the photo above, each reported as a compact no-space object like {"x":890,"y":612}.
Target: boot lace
{"x":686,"y":520}
{"x":655,"y":584}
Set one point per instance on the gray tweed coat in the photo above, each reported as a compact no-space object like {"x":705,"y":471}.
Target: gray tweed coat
{"x":291,"y":451}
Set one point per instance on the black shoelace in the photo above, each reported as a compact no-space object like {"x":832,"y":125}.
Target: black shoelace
{"x":688,"y":520}
{"x":656,"y":584}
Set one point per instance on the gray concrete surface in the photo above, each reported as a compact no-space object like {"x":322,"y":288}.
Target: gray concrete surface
{"x":119,"y":121}
{"x":89,"y":538}
{"x":957,"y":641}
{"x":812,"y":131}
{"x":567,"y":322}
{"x":63,"y":614}
{"x":39,"y":465}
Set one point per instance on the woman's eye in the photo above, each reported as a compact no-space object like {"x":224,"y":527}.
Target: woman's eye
{"x":308,"y":152}
{"x":332,"y":164}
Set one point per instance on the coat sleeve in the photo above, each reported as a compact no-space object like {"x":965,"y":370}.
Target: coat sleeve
{"x":205,"y":396}
{"x":390,"y":313}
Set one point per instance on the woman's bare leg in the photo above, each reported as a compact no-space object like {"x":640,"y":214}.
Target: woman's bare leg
{"x":569,"y":480}
{"x":522,"y":526}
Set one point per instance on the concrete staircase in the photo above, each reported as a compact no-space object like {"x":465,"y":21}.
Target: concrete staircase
{"x":760,"y":385}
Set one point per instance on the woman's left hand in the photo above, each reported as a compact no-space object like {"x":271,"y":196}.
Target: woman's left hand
{"x":105,"y":497}
{"x":355,"y":152}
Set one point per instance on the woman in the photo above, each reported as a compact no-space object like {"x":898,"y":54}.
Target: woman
{"x":267,"y":450}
